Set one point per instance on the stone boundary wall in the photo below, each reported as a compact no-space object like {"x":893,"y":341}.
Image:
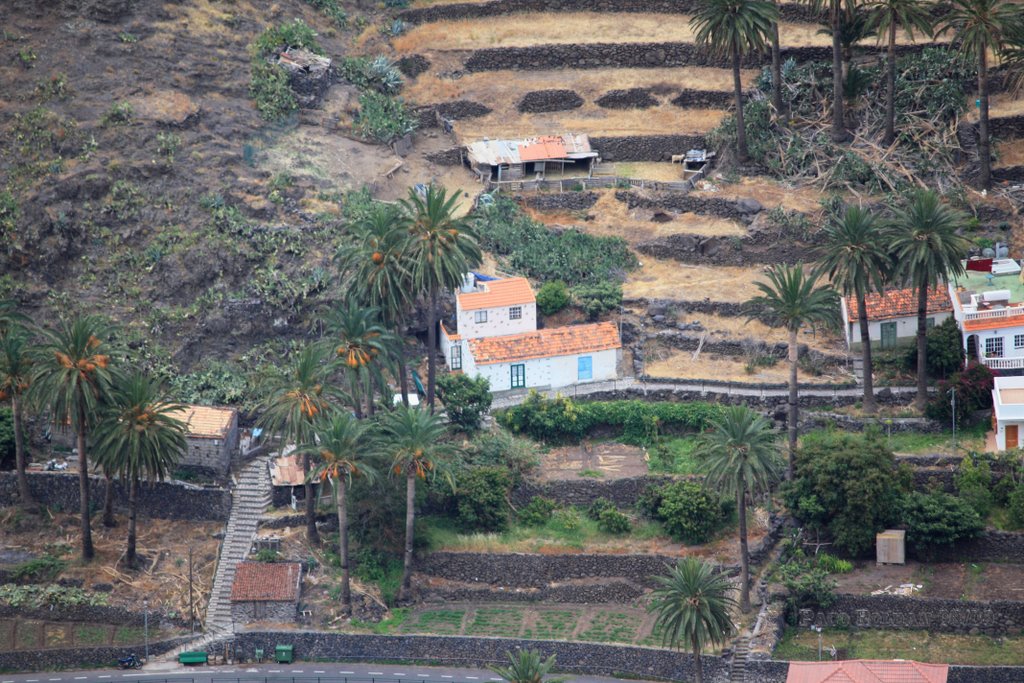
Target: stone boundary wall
{"x":455,"y":110}
{"x":735,"y":209}
{"x":704,"y":99}
{"x":543,"y":101}
{"x":991,"y":545}
{"x":446,"y":157}
{"x":644,"y":147}
{"x":637,"y":662}
{"x":163,"y":500}
{"x":632,"y":98}
{"x":99,"y":614}
{"x":582,"y":492}
{"x":571,"y":593}
{"x":707,"y":306}
{"x":719,"y":393}
{"x":729,"y":347}
{"x":1006,"y":127}
{"x":938,"y":615}
{"x":564,"y":201}
{"x":412,"y":66}
{"x":1013,"y":174}
{"x":78,"y":658}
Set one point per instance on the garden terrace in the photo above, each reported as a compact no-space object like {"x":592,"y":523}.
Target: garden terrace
{"x":591,"y":120}
{"x":667,"y":363}
{"x":667,"y":279}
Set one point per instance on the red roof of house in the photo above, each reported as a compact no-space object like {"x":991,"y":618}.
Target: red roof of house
{"x":547,"y":343}
{"x":543,"y":147}
{"x":266,"y":581}
{"x":866,"y":671}
{"x":507,"y":292}
{"x":899,"y":303}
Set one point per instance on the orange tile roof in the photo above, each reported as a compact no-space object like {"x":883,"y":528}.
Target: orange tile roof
{"x":206,"y":423}
{"x":507,"y":292}
{"x":287,"y":471}
{"x":266,"y":581}
{"x":547,"y":343}
{"x":544,"y":147}
{"x":866,"y":671}
{"x":899,"y":303}
{"x":983,"y":324}
{"x":451,"y":337}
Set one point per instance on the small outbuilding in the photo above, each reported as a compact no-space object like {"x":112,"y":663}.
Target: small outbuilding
{"x":1008,"y":412}
{"x":547,"y":156}
{"x":266,"y":591}
{"x":892,"y":316}
{"x":212,"y":438}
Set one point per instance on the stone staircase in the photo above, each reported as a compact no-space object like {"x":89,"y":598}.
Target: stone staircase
{"x":250,"y":497}
{"x":738,"y":668}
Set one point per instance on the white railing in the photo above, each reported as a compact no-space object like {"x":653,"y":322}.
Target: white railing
{"x":1008,"y":312}
{"x":1012,"y":363}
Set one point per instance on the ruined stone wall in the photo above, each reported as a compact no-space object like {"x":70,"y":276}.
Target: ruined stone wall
{"x":927,"y":614}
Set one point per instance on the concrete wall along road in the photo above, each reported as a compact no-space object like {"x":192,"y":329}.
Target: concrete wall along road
{"x":79,"y":658}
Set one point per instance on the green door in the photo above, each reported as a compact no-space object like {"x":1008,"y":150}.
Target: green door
{"x":888,"y":335}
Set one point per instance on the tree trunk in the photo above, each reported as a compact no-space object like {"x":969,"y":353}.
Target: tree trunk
{"x":741,"y":132}
{"x":741,"y":510}
{"x":890,"y":86}
{"x":370,"y":382}
{"x":791,"y":420}
{"x":431,"y":350}
{"x":133,"y":493}
{"x":984,"y":151}
{"x":777,"y":72}
{"x":83,"y":489}
{"x":357,"y":397}
{"x":698,"y":668}
{"x":24,"y":492}
{"x":403,"y":379}
{"x":342,"y":502}
{"x":922,"y":347}
{"x":838,"y":122}
{"x":870,"y":406}
{"x":312,"y":535}
{"x":410,"y":520}
{"x":108,"y":502}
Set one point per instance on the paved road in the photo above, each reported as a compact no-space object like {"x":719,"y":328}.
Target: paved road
{"x":301,"y":672}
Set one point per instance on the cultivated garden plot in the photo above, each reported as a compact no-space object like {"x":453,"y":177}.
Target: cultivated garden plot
{"x":921,"y":646}
{"x":28,"y":634}
{"x":956,"y":580}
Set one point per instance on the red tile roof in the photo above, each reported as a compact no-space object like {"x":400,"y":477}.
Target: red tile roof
{"x":547,"y":343}
{"x":899,"y":303}
{"x":508,"y":292}
{"x":266,"y":581}
{"x":544,"y":147}
{"x":866,"y":671}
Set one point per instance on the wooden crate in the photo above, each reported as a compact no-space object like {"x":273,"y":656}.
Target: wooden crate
{"x":890,"y":547}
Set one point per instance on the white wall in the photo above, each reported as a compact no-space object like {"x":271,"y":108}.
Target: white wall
{"x":559,"y":371}
{"x":498,"y":323}
{"x":906,"y":329}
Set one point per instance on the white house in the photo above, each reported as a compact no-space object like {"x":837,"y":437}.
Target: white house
{"x":892,"y":316}
{"x":488,"y":309}
{"x":988,"y":303}
{"x":1008,"y":413}
{"x":553,"y":357}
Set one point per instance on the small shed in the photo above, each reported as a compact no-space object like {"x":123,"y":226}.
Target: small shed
{"x":309,"y":75}
{"x":561,"y":156}
{"x":212,"y":438}
{"x":266,"y":591}
{"x":890,"y":547}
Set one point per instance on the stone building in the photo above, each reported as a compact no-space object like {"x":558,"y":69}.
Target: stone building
{"x":212,"y":437}
{"x":266,"y":591}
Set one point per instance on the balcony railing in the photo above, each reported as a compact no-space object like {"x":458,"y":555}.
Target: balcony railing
{"x":1010,"y":363}
{"x":1007,"y":312}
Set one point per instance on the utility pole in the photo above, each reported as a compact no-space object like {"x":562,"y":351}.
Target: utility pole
{"x":191,"y":599}
{"x":145,"y":627}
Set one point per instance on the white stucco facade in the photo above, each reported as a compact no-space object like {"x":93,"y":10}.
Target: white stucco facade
{"x":1008,"y":412}
{"x":496,"y":321}
{"x":905,"y":327}
{"x":554,"y":372}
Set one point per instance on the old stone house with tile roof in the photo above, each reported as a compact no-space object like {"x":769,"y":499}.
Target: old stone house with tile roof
{"x":212,"y":438}
{"x":892,"y":316}
{"x":266,"y":591}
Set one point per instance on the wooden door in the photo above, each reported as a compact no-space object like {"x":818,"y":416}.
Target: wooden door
{"x":888,"y":335}
{"x":1012,"y":437}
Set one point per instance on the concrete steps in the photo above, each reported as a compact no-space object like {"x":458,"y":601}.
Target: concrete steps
{"x":738,"y":668}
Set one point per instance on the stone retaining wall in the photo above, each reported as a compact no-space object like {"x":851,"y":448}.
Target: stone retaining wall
{"x":644,"y":147}
{"x":97,"y":614}
{"x":563,"y":201}
{"x":78,"y":658}
{"x":704,"y":99}
{"x":623,"y":492}
{"x":735,"y":209}
{"x":664,"y":306}
{"x":446,"y":157}
{"x":164,"y":500}
{"x":916,"y":425}
{"x":937,"y":615}
{"x":542,"y":101}
{"x":616,"y":592}
{"x":455,"y":110}
{"x":413,"y":65}
{"x":633,"y":98}
{"x":990,"y":546}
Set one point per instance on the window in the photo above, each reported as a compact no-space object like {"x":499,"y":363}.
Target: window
{"x":585,"y":367}
{"x":994,"y":347}
{"x":929,"y":323}
{"x":456,"y":362}
{"x":1018,"y":341}
{"x":518,"y":376}
{"x":515,"y":313}
{"x":480,"y":317}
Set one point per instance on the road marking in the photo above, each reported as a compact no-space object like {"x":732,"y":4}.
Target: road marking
{"x":53,"y":679}
{"x":96,"y":677}
{"x":319,"y":672}
{"x":297,"y":671}
{"x":375,"y":673}
{"x":36,"y":680}
{"x":472,"y":678}
{"x":397,"y":674}
{"x":78,"y":678}
{"x":494,"y":679}
{"x":420,"y":675}
{"x":445,"y":676}
{"x":274,"y":671}
{"x":346,"y":672}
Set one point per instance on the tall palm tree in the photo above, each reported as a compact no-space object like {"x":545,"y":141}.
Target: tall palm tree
{"x":737,"y":454}
{"x":857,"y":262}
{"x":927,"y":251}
{"x":72,"y":379}
{"x":886,"y":17}
{"x":791,"y":299}
{"x":293,"y":403}
{"x":979,"y":26}
{"x":414,"y":439}
{"x":341,"y":446}
{"x":526,"y":666}
{"x":361,"y":345}
{"x":15,"y":379}
{"x":735,"y":28}
{"x":440,"y":249}
{"x":780,"y":108}
{"x":139,"y":436}
{"x":692,"y":604}
{"x":375,"y":273}
{"x":836,"y":10}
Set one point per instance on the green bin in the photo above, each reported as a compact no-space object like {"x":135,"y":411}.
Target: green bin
{"x":284,"y":654}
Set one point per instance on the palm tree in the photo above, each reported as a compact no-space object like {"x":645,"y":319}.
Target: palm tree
{"x":777,"y":66}
{"x":72,"y":379}
{"x":374,"y":272}
{"x":836,"y":11}
{"x":139,"y":436}
{"x":692,"y":604}
{"x":927,"y":250}
{"x":526,"y":666}
{"x":792,"y":299}
{"x":440,"y":250}
{"x":886,"y":17}
{"x":293,"y":403}
{"x":737,"y":455}
{"x":341,"y":444}
{"x":979,"y":26}
{"x":414,"y":439}
{"x":735,"y":28}
{"x":361,"y":345}
{"x":15,"y":379}
{"x":857,"y":262}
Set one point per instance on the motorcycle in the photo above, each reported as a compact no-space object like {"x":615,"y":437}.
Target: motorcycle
{"x":130,"y":662}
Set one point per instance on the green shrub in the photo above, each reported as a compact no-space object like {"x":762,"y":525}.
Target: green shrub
{"x":39,"y":570}
{"x":537,"y":512}
{"x":465,"y":399}
{"x":275,"y":39}
{"x":332,"y":10}
{"x":614,"y":522}
{"x":649,"y":501}
{"x":9,"y":214}
{"x":567,"y":519}
{"x":1015,"y":507}
{"x":598,"y":506}
{"x":36,"y":596}
{"x":973,"y":387}
{"x":379,"y":74}
{"x":167,"y":144}
{"x":266,"y":555}
{"x":482,"y":499}
{"x":689,"y":512}
{"x":936,"y":520}
{"x":519,"y":456}
{"x":945,"y":350}
{"x":383,"y":118}
{"x":7,"y":455}
{"x":268,"y":83}
{"x":807,"y":586}
{"x":598,"y":298}
{"x":832,"y":564}
{"x":552,"y":297}
{"x":120,"y":113}
{"x":974,"y":484}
